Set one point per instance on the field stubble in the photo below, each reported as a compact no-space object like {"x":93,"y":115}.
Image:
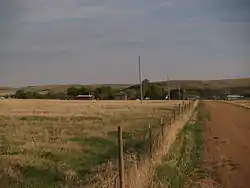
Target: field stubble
{"x":48,"y":143}
{"x":244,"y":103}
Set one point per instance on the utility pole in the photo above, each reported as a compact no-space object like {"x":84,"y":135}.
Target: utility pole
{"x":179,"y":91}
{"x":168,"y":88}
{"x":139,"y":62}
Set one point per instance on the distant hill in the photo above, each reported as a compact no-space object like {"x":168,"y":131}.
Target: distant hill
{"x":201,"y":84}
{"x":63,"y":88}
{"x":205,"y":88}
{"x":241,"y":85}
{"x":7,"y":91}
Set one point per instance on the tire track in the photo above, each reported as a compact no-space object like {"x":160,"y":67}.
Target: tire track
{"x":227,"y":148}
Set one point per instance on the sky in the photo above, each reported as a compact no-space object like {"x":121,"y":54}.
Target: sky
{"x":98,"y":41}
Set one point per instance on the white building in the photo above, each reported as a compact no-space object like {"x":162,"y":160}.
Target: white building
{"x":234,"y":97}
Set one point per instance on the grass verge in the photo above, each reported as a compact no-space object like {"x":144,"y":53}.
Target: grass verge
{"x":186,"y":155}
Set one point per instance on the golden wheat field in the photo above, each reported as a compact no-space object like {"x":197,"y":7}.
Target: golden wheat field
{"x":54,"y":143}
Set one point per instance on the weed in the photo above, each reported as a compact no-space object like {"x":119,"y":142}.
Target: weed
{"x":186,"y":155}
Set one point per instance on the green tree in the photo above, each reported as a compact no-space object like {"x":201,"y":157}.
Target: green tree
{"x":155,"y":92}
{"x":145,"y":87}
{"x":36,"y":95}
{"x":104,"y":93}
{"x":20,"y":94}
{"x":72,"y":92}
{"x":61,"y":96}
{"x":83,"y":91}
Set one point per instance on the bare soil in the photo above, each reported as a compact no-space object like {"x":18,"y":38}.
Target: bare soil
{"x":227,"y":147}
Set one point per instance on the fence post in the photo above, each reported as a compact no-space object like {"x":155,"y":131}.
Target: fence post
{"x":174,"y":113}
{"x":169,"y":119}
{"x":150,"y":139}
{"x":144,"y":133}
{"x":121,"y":160}
{"x":162,"y":131}
{"x":183,"y":108}
{"x":179,"y":109}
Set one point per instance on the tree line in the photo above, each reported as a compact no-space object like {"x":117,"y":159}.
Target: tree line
{"x":150,"y":90}
{"x":104,"y":93}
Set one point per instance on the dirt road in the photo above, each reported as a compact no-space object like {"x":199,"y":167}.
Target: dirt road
{"x":227,"y":148}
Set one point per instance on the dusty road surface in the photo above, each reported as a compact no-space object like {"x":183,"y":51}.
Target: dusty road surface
{"x":227,"y":147}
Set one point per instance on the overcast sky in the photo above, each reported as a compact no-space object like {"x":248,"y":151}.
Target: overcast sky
{"x":98,"y":41}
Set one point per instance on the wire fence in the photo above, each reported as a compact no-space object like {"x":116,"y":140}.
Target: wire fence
{"x":116,"y":175}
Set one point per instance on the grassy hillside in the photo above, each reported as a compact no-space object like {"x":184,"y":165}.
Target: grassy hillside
{"x":242,"y":84}
{"x":205,"y":87}
{"x":202,"y":84}
{"x":63,"y":88}
{"x":7,"y":91}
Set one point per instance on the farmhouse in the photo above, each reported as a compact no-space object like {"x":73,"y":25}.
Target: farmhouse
{"x":234,"y":97}
{"x":192,"y":97}
{"x":85,"y":97}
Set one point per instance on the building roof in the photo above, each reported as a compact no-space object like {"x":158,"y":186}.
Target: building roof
{"x":234,"y":96}
{"x":85,"y":95}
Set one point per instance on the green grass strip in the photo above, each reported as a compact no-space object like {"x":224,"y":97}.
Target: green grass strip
{"x":186,"y":154}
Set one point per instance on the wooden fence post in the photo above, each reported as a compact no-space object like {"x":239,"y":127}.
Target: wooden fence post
{"x":162,"y":131}
{"x":150,"y":140}
{"x":144,"y":133}
{"x":169,"y":119}
{"x":121,"y":160}
{"x":179,"y":110}
{"x":183,"y":108}
{"x":174,"y":113}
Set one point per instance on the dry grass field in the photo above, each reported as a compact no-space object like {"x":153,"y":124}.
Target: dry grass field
{"x":245,"y":103}
{"x":53,"y":143}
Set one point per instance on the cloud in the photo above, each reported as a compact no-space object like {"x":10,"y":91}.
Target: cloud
{"x":93,"y":41}
{"x":54,"y":10}
{"x":9,"y":11}
{"x":165,"y":4}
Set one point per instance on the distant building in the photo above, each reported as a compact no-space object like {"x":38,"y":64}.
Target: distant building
{"x":85,"y":97}
{"x":192,"y":97}
{"x":2,"y":98}
{"x":234,"y":97}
